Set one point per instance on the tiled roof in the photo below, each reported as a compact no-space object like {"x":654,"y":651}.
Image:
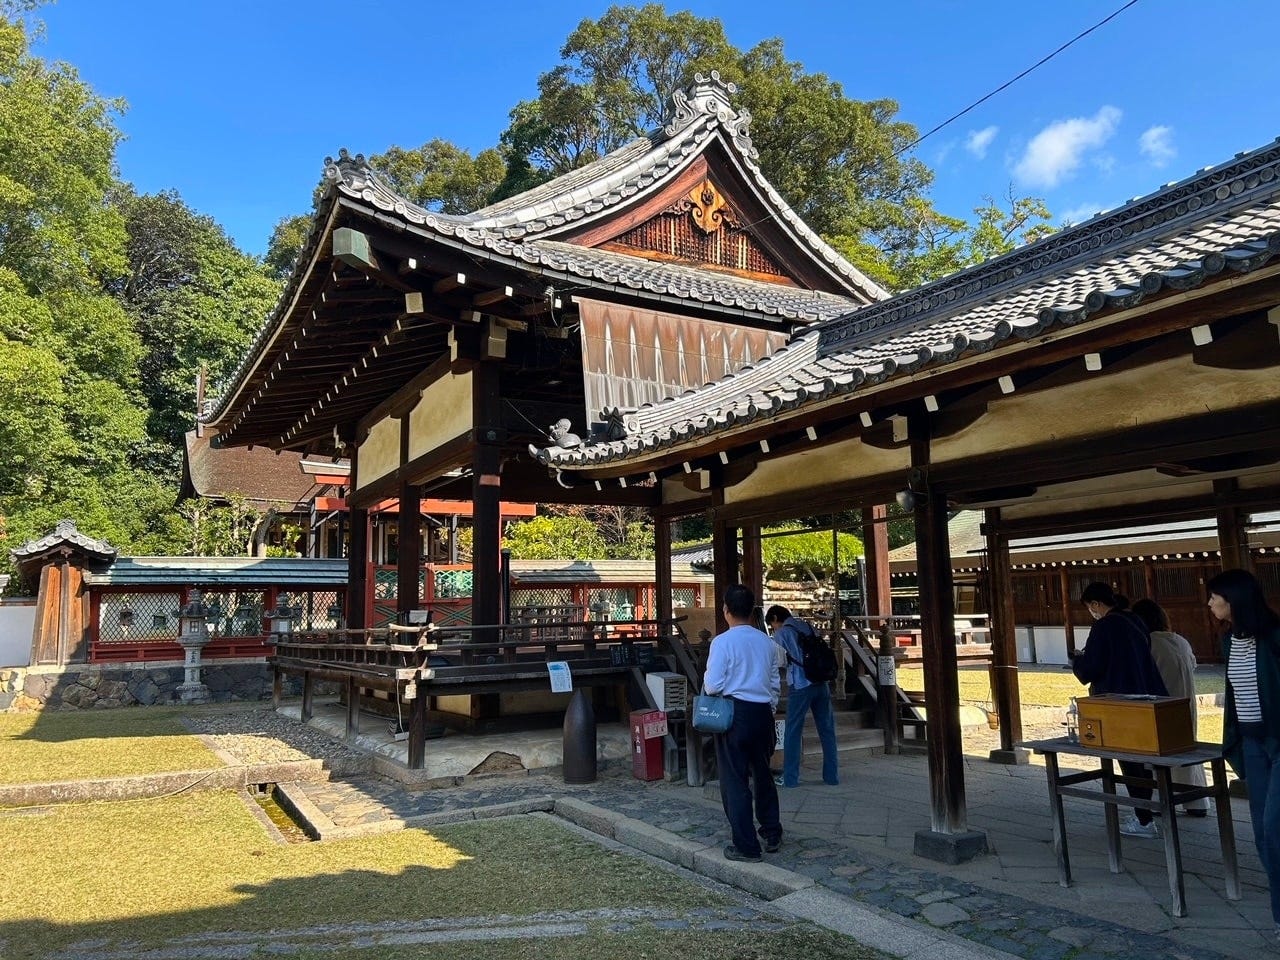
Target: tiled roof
{"x":65,"y":536}
{"x":679,"y":283}
{"x":222,"y":571}
{"x":508,"y":228}
{"x":521,"y":229}
{"x":1224,"y":221}
{"x":258,"y":474}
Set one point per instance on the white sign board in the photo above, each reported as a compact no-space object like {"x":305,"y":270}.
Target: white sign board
{"x":886,"y":671}
{"x":561,"y":678}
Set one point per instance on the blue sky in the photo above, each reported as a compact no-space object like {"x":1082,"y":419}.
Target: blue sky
{"x":236,"y":104}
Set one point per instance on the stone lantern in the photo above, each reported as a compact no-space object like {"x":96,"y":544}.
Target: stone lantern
{"x":280,"y":620}
{"x":193,"y":634}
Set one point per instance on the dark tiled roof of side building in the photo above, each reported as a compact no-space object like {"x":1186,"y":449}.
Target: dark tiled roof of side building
{"x":1224,"y":220}
{"x":257,"y":473}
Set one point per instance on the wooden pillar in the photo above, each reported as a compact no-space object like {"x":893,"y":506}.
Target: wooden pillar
{"x":486,"y":496}
{"x":1233,"y":537}
{"x":875,"y":542}
{"x":949,"y":838}
{"x":1004,"y":643}
{"x":753,"y":561}
{"x":358,"y":570}
{"x":724,"y":546}
{"x":1068,"y":610}
{"x":409,"y":555}
{"x":662,"y":567}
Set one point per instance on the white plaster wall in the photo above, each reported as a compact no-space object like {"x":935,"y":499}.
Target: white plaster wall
{"x":1158,"y":393}
{"x":17,"y":623}
{"x":380,"y":452}
{"x":444,"y":411}
{"x":848,"y":459}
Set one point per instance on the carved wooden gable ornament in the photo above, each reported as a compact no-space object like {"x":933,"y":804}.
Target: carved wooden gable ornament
{"x":708,"y":207}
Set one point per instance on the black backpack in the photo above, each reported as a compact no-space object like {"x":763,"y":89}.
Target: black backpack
{"x":817,"y":660}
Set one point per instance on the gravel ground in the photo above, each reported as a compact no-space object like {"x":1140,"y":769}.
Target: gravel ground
{"x":263,"y":736}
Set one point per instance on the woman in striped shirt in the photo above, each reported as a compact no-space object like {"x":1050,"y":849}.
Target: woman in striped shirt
{"x":1251,"y":725}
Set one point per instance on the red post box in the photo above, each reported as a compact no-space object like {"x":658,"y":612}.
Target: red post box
{"x":648,"y":727}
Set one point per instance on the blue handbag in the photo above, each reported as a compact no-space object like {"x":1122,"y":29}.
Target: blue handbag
{"x":712,"y":714}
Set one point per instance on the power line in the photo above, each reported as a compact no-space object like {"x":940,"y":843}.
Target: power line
{"x":1009,"y":83}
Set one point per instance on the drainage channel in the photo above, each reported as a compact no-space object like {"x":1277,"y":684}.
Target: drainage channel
{"x":264,"y":795}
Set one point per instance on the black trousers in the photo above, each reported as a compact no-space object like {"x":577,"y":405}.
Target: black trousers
{"x":742,"y":753}
{"x":1131,"y":768}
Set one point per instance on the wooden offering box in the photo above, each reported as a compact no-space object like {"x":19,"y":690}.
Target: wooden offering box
{"x":1131,"y":723}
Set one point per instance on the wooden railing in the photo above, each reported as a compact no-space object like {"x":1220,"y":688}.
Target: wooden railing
{"x":415,"y":663}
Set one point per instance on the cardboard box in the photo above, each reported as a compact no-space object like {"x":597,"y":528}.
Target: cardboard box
{"x":1131,"y":723}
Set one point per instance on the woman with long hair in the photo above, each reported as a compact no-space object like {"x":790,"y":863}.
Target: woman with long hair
{"x":1176,"y":662}
{"x":1117,"y":659}
{"x":1251,"y":723}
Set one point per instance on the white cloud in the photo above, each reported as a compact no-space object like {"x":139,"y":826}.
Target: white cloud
{"x":1057,"y":150}
{"x":1080,"y":213}
{"x":1156,"y":145}
{"x":979,"y":140}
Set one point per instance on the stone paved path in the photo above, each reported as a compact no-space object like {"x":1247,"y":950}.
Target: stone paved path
{"x":1000,"y":921}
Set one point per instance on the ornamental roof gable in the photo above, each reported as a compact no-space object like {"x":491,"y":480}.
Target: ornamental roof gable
{"x":704,"y":130}
{"x":1219,"y":223}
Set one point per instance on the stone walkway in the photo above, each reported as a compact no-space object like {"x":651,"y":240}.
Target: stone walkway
{"x":949,"y":900}
{"x":853,"y":845}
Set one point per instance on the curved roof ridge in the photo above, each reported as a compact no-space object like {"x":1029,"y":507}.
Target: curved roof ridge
{"x":1248,"y":178}
{"x":1219,"y":243}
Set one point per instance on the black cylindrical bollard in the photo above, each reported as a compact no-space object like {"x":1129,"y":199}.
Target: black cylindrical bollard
{"x":580,"y":739}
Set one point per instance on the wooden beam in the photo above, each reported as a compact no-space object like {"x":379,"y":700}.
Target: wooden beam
{"x":1245,"y":342}
{"x":1249,"y":429}
{"x":486,"y":494}
{"x":451,"y":282}
{"x":725,"y":563}
{"x":1149,"y":512}
{"x":490,"y":297}
{"x":356,"y":609}
{"x":353,"y":248}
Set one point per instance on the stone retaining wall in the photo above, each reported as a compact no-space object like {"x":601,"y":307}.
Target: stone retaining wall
{"x":94,"y":686}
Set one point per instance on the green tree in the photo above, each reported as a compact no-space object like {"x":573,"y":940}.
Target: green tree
{"x":833,"y":158}
{"x":287,"y":240}
{"x":441,"y":176}
{"x":70,"y":416}
{"x":807,"y":553}
{"x":218,"y":529}
{"x":195,"y":300}
{"x":107,"y":300}
{"x":929,"y":244}
{"x":555,"y":538}
{"x":842,"y":164}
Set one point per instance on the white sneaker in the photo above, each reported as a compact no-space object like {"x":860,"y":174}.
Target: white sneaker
{"x":1130,"y":827}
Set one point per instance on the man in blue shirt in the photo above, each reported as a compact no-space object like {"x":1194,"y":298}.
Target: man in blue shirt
{"x":741,"y":666}
{"x":802,"y":696}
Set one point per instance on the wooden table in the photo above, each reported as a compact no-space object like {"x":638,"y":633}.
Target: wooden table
{"x":1168,"y":795}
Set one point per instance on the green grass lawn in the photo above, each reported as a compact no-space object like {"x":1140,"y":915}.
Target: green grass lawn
{"x":56,"y":745}
{"x":134,"y":876}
